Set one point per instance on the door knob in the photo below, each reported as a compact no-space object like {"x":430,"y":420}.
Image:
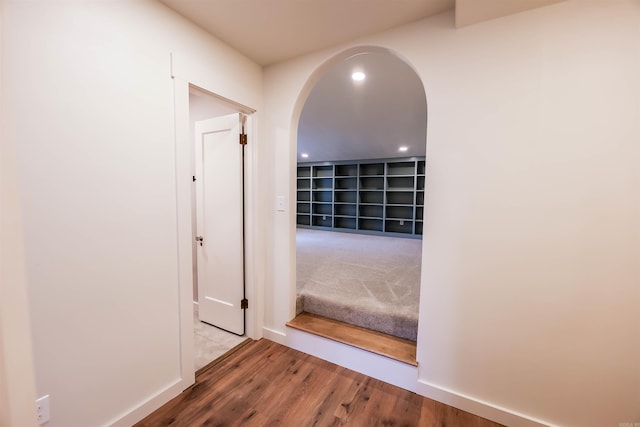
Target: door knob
{"x":199,"y":239}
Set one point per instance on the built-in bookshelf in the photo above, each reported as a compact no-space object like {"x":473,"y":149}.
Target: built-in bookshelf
{"x":368,"y":196}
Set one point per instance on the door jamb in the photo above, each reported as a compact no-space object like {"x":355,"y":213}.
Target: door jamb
{"x":184,"y":148}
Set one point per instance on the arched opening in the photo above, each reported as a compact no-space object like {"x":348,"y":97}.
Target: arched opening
{"x":360,"y":179}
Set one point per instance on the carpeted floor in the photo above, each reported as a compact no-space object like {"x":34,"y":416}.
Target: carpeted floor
{"x":368,"y":281}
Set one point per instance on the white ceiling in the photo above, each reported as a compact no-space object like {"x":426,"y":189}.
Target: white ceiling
{"x":469,"y":12}
{"x":341,"y":121}
{"x":347,"y":120}
{"x":268,"y":31}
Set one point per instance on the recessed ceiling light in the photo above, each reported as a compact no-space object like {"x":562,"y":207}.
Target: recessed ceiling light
{"x":358,"y":76}
{"x":403,"y":148}
{"x":304,"y":155}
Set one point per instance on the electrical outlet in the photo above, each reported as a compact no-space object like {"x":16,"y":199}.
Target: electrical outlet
{"x":280,"y":203}
{"x":42,"y":408}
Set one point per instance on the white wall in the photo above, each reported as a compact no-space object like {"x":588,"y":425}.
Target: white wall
{"x":93,"y":120}
{"x":530,"y":286}
{"x":17,"y":384}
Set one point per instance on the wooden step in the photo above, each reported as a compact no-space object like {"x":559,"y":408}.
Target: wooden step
{"x":376,"y":342}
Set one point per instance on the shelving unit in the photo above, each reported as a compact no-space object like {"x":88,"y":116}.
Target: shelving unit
{"x":371,"y":196}
{"x":303,"y":212}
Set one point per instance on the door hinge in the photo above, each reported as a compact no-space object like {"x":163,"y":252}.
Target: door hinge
{"x":244,"y":303}
{"x":243,"y":139}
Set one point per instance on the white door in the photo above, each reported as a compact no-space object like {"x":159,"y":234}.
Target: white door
{"x":219,"y":222}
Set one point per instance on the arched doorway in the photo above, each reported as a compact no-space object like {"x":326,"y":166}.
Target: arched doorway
{"x":361,"y":145}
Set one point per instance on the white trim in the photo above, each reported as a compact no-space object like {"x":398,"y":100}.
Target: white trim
{"x":478,"y":407}
{"x":380,"y":367}
{"x":399,"y":374}
{"x":183,"y":148}
{"x":222,"y":100}
{"x":273,"y":335}
{"x":252,"y":218}
{"x":146,"y":407}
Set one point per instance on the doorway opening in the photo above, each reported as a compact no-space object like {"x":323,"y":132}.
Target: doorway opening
{"x":360,"y":181}
{"x":218,"y":229}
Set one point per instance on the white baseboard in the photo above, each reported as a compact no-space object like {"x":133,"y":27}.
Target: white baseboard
{"x":376,"y":366}
{"x":367,"y":363}
{"x":401,"y":375}
{"x":274,"y":335}
{"x":478,"y":407}
{"x":148,"y":406}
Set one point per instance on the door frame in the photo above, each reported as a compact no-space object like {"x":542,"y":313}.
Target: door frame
{"x":202,"y":128}
{"x":184,"y":152}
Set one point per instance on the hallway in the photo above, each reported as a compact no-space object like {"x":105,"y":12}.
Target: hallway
{"x":267,"y":384}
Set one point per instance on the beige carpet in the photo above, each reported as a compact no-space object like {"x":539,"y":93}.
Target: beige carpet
{"x":368,"y":281}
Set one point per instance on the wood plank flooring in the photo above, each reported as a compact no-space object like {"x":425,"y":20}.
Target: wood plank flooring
{"x":267,"y":384}
{"x":366,"y":339}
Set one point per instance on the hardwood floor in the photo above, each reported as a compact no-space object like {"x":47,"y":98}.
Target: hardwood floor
{"x":366,"y":339}
{"x":267,"y":384}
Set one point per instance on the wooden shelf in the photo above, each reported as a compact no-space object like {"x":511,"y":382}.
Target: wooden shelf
{"x":355,"y":336}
